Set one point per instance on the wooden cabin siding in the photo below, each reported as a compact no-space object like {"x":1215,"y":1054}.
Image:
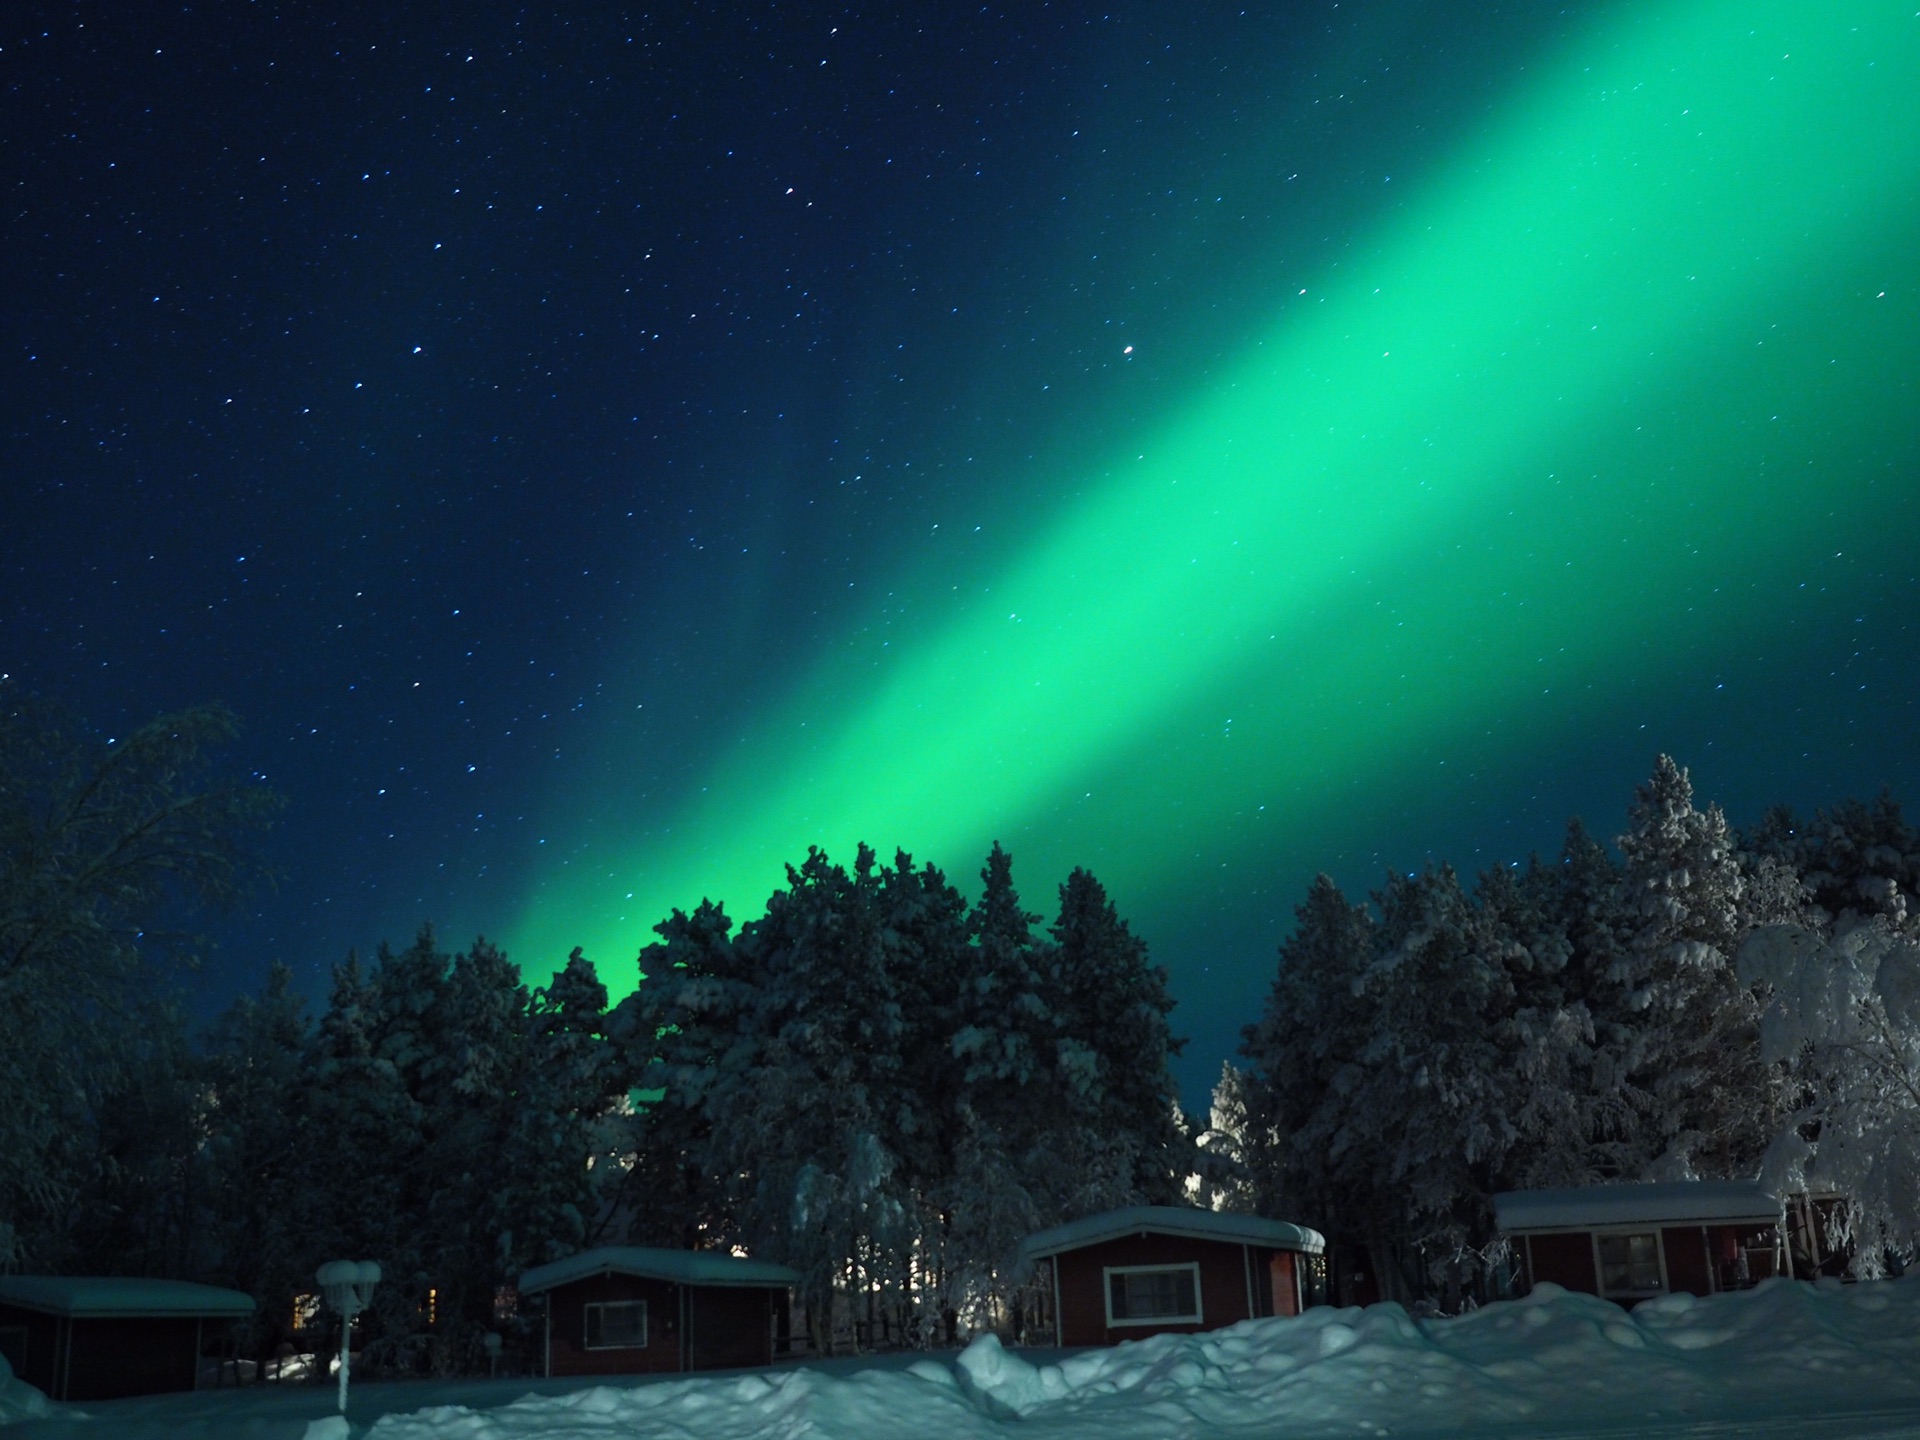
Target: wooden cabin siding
{"x":82,"y":1358}
{"x":730,"y":1329}
{"x":1281,"y":1282}
{"x":689,"y":1327}
{"x":36,"y":1335}
{"x":567,"y":1352}
{"x":1565,"y":1259}
{"x":1083,"y":1296}
{"x":1689,"y":1264}
{"x":115,"y":1358}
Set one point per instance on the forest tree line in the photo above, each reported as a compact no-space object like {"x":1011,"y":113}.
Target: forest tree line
{"x":885,"y":1085}
{"x":1702,"y":1004}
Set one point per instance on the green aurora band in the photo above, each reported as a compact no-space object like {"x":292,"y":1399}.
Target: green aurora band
{"x":1642,"y":350}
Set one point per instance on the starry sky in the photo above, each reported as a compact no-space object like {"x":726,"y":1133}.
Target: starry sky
{"x":598,"y":455}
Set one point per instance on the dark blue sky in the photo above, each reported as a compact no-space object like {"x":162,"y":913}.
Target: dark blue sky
{"x":505,"y":414}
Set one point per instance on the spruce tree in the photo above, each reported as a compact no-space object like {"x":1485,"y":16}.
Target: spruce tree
{"x":1116,"y":1047}
{"x":670,"y":1037}
{"x":365,"y":1138}
{"x":1694,"y":1053}
{"x":567,"y":1140}
{"x":1306,"y":1045}
{"x":259,"y":1135}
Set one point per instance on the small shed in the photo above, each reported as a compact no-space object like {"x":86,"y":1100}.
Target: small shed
{"x":1632,"y":1242}
{"x":102,"y":1337}
{"x":1150,"y":1269}
{"x":632,"y":1310}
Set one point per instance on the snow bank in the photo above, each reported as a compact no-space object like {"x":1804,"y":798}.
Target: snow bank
{"x":1552,"y":1361}
{"x":1553,"y":1364}
{"x":19,"y":1400}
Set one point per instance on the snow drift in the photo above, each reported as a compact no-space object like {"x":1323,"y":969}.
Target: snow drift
{"x":1552,"y":1364}
{"x":1552,"y":1361}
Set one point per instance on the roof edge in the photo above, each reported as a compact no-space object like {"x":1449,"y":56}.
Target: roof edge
{"x":1189,"y":1224}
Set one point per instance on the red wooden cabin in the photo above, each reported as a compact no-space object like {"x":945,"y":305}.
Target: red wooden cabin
{"x":630,"y":1310}
{"x":1632,"y":1242}
{"x":103,"y":1337}
{"x":1153,"y":1269}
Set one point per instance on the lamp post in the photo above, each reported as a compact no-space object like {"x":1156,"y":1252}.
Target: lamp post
{"x":348,"y":1287}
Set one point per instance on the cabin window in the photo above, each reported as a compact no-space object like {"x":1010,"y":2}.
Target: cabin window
{"x":1153,"y":1294}
{"x":1630,"y":1264}
{"x":617,"y":1325}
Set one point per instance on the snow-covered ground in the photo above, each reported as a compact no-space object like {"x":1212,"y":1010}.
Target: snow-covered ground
{"x":1783,"y":1360}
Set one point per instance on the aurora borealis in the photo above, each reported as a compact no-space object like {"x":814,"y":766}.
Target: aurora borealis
{"x":1276,"y":481}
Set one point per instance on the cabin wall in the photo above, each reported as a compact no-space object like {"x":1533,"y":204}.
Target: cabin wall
{"x":731,"y":1327}
{"x":1565,"y":1259}
{"x":1083,"y":1303}
{"x":105,"y":1358}
{"x":147,"y":1355}
{"x":1689,"y":1264}
{"x":1697,"y":1259}
{"x":31,"y":1338}
{"x":1281,"y":1281}
{"x":567,"y":1352}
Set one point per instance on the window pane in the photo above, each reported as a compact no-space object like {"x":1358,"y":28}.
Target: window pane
{"x":1643,"y":1260}
{"x":1153,"y":1294}
{"x":617,"y":1326}
{"x":1629,"y":1262}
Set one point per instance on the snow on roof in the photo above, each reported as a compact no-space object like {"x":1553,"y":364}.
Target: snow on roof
{"x":1676,"y":1202}
{"x":684,"y":1267}
{"x":1171,"y":1220}
{"x":102,"y":1296}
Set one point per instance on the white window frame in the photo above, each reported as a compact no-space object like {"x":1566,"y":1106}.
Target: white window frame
{"x":1659,"y":1253}
{"x":1192,"y":1267}
{"x":586,"y":1324}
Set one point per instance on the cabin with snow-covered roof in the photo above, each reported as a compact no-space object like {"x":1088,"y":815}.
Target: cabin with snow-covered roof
{"x":632,"y":1310}
{"x":1153,"y":1269}
{"x":104,"y":1337}
{"x":1629,"y":1243}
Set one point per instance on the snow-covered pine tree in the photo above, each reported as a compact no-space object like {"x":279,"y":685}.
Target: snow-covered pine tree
{"x":105,"y":846}
{"x":366,"y":1131}
{"x":469,"y":1103}
{"x":409,"y":1024}
{"x":1445,"y":1090}
{"x":259,"y":1134}
{"x":1843,"y":1014}
{"x":924,"y":930}
{"x":673,"y":1037}
{"x":1692,"y":1049}
{"x":567,"y":1138}
{"x":1306,"y":1046}
{"x":1008,"y":1120}
{"x":1546,"y":1039}
{"x":1853,"y":858}
{"x":806,"y":1125}
{"x":142,"y":1206}
{"x":1226,"y":1146}
{"x":1114,"y":1054}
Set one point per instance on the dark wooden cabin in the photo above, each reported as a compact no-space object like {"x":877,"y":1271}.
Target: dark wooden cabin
{"x":1629,"y":1243}
{"x":630,"y":1310}
{"x":1154,"y":1269}
{"x":106,"y":1337}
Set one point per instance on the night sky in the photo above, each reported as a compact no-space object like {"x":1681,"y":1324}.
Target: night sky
{"x":598,"y":457}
